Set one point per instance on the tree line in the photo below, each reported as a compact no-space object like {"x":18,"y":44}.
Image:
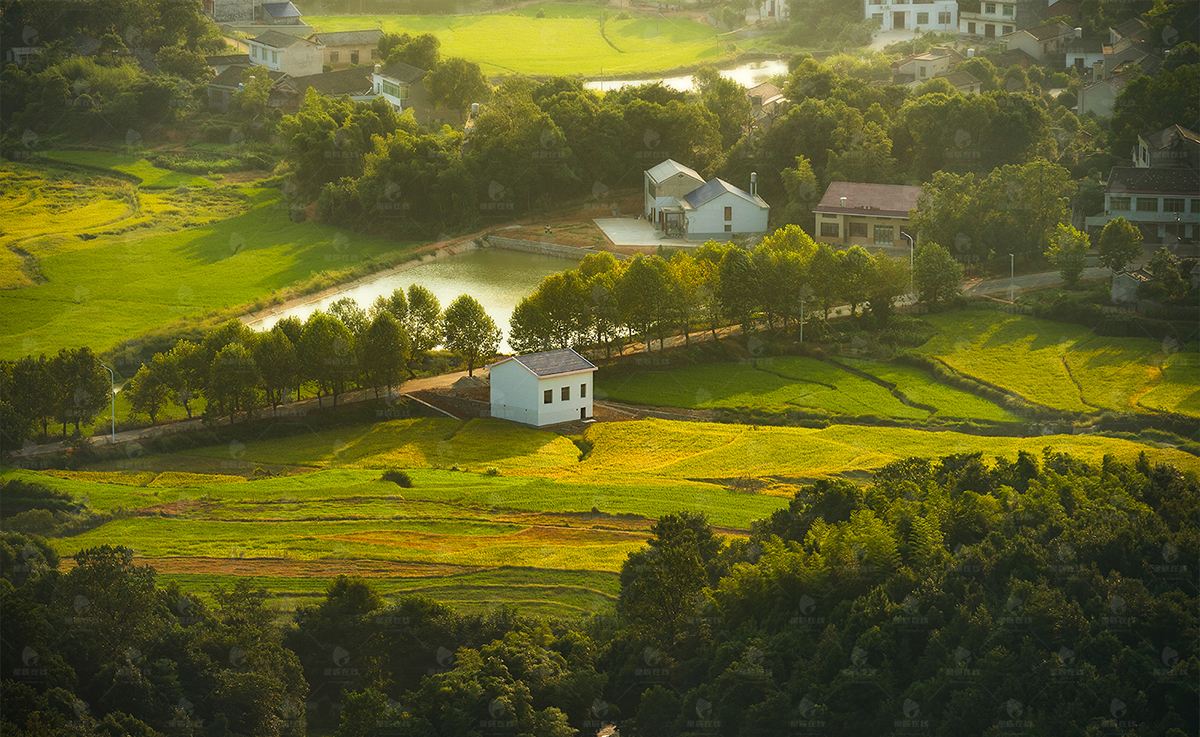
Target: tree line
{"x":605,"y":303}
{"x":962,"y":595}
{"x":234,"y":370}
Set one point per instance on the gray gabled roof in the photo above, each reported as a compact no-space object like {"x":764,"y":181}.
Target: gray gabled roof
{"x":402,"y":72}
{"x":279,"y":40}
{"x":714,"y":188}
{"x":551,"y":363}
{"x":368,"y":36}
{"x":669,"y":168}
{"x":281,"y":10}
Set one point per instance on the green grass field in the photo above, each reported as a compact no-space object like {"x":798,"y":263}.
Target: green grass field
{"x":88,"y":260}
{"x":566,"y":41}
{"x":1066,"y":366}
{"x":539,"y":525}
{"x":148,"y":175}
{"x":782,"y":384}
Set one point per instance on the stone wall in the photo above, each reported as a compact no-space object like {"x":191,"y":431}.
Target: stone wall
{"x":539,"y":247}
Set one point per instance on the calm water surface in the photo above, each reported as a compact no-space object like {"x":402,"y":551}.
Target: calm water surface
{"x":495,"y":277}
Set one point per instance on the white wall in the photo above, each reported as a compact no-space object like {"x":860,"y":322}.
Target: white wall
{"x":297,"y":60}
{"x":517,"y":395}
{"x":887,"y":9}
{"x":560,"y":410}
{"x":708,"y":221}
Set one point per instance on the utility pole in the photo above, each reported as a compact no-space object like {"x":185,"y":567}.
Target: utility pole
{"x":912,"y":248}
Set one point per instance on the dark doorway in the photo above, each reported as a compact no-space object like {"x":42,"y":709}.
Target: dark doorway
{"x":583,"y":413}
{"x":898,"y":21}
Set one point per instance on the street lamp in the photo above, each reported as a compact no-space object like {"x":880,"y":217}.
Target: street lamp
{"x":912,"y":247}
{"x":112,"y":395}
{"x":1012,"y":276}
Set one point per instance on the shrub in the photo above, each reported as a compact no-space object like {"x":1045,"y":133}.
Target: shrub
{"x":399,"y":478}
{"x":492,"y":471}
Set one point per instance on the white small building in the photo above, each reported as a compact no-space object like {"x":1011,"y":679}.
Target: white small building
{"x":994,"y":18}
{"x":544,"y":388}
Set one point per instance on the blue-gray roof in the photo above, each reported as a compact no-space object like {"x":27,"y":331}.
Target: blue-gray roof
{"x":549,"y":363}
{"x":714,"y":188}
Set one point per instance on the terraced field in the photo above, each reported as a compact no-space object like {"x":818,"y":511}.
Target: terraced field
{"x":1066,"y":366}
{"x":810,"y":385}
{"x":542,"y":525}
{"x":90,"y":259}
{"x":556,"y":38}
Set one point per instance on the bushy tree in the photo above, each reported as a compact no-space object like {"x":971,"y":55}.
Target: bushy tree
{"x":1068,"y":252}
{"x":1120,"y":243}
{"x":937,"y":275}
{"x":469,"y":331}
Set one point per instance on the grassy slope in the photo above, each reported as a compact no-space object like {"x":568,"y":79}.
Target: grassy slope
{"x":797,"y":383}
{"x":180,"y":255}
{"x":1066,"y":366}
{"x":567,"y":41}
{"x":547,"y":531}
{"x":149,"y":175}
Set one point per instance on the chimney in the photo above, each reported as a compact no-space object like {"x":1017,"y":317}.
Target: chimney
{"x":1078,"y":32}
{"x":753,"y":184}
{"x":843,"y":201}
{"x":378,"y":68}
{"x":474,"y":109}
{"x":970,"y":53}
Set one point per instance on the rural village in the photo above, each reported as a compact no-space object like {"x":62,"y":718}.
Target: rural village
{"x":588,"y":368}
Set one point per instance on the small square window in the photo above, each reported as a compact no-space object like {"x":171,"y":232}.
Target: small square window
{"x":583,"y":391}
{"x":728,"y":227}
{"x":829,"y":230}
{"x":566,"y":393}
{"x":548,"y":396}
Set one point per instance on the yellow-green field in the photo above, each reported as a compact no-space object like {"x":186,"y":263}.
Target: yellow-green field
{"x":496,"y":513}
{"x":801,"y":384}
{"x":1066,"y":366}
{"x":568,"y":40}
{"x":95,"y":260}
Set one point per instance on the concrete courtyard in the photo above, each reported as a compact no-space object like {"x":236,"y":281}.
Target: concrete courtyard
{"x":637,"y":232}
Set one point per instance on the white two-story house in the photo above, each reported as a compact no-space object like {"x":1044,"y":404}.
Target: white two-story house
{"x":680,"y":203}
{"x":283,"y":52}
{"x":992,"y":18}
{"x":542,"y":388}
{"x":900,"y":15}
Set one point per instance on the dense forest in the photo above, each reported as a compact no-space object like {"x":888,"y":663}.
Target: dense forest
{"x":1035,"y":596}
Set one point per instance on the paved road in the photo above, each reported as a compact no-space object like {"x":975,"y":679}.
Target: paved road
{"x":290,"y":409}
{"x":1026,"y":282}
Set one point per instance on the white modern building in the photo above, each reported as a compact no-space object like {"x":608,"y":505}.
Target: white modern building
{"x":398,"y":83}
{"x":283,"y":52}
{"x":544,"y":388}
{"x":899,"y":15}
{"x":679,"y":202}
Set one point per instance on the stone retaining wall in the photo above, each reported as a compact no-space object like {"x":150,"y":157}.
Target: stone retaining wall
{"x":539,"y":247}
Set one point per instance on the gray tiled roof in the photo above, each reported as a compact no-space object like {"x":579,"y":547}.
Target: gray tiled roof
{"x":279,"y":40}
{"x":369,"y":36}
{"x":549,"y":363}
{"x":862,"y":198}
{"x":1166,"y":180}
{"x":402,"y":72}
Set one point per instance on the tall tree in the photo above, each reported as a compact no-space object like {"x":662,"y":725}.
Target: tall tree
{"x":384,"y":352}
{"x":423,"y":323}
{"x":470,"y":332}
{"x":938,"y":276}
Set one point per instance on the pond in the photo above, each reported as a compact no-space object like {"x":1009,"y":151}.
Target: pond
{"x":747,"y":75}
{"x":497,"y":278}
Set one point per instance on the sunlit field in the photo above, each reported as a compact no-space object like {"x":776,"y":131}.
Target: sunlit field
{"x":1066,"y":366}
{"x":566,"y":40}
{"x":92,"y":260}
{"x":496,"y":512}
